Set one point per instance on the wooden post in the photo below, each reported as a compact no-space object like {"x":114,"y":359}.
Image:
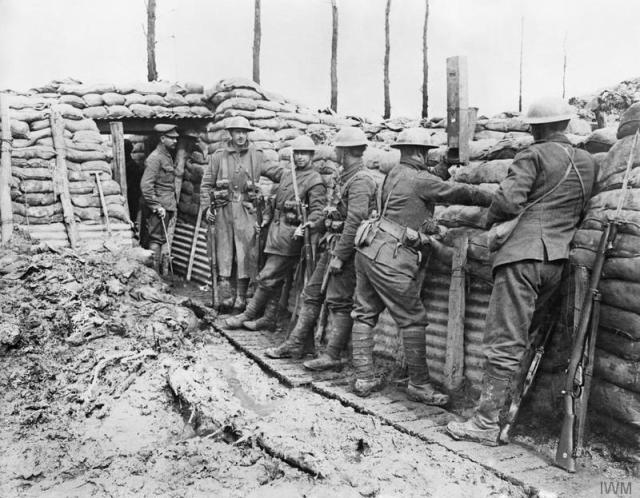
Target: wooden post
{"x":257,"y":36}
{"x":119,"y":159}
{"x":334,"y":56}
{"x":454,"y":353}
{"x":152,"y":71}
{"x":458,"y":133}
{"x":425,"y":63}
{"x":60,"y":179}
{"x":6,"y":208}
{"x":387,"y":98}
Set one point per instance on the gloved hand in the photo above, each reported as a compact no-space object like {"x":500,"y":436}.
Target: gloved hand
{"x":335,"y":265}
{"x":211,"y":215}
{"x":258,"y":227}
{"x":299,"y":232}
{"x":160,"y":211}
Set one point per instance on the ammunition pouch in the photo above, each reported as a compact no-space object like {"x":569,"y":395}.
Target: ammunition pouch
{"x":366,"y":232}
{"x":220,"y":193}
{"x":331,"y":213}
{"x":333,"y":226}
{"x":290,"y":213}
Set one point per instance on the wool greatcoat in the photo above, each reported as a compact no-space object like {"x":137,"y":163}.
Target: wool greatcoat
{"x":528,"y":268}
{"x":235,"y":222}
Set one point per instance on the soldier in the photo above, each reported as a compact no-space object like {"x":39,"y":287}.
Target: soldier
{"x":355,"y":199}
{"x":388,"y":261}
{"x":528,"y":267}
{"x":158,"y":189}
{"x":231,"y":182}
{"x":285,"y":233}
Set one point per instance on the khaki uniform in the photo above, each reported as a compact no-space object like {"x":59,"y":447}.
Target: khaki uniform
{"x":158,"y":190}
{"x":235,"y":223}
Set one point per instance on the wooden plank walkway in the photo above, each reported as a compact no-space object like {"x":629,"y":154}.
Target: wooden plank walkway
{"x":514,"y":462}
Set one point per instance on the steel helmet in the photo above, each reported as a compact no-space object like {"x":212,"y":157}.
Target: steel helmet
{"x":350,"y":136}
{"x":303,"y":143}
{"x":419,"y":137}
{"x":629,"y":121}
{"x":238,"y":123}
{"x":548,"y":110}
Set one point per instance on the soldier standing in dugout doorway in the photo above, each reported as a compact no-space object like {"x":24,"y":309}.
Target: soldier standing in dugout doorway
{"x":354,"y":200}
{"x":390,"y":253}
{"x":229,"y":190}
{"x":284,"y":239}
{"x":159,"y":190}
{"x":549,"y":183}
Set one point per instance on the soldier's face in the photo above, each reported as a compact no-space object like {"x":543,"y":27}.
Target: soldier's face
{"x":339,"y":154}
{"x":169,"y":142}
{"x":239,"y":137}
{"x":302,"y":158}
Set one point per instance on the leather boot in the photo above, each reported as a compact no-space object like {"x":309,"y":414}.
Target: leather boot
{"x":362,"y":357}
{"x":241,"y":296}
{"x":340,"y":325}
{"x":157,"y":256}
{"x":483,"y":427}
{"x":226,"y":294}
{"x":293,"y":346}
{"x":419,"y":389}
{"x":253,"y":309}
{"x":269,"y":320}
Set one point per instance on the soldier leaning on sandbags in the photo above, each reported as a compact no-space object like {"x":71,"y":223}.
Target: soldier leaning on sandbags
{"x":284,"y":237}
{"x":230,"y":181}
{"x":390,"y":253}
{"x":158,"y":189}
{"x":528,"y":267}
{"x":354,"y":200}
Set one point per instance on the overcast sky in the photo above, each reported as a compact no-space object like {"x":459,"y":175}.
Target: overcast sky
{"x":206,"y":40}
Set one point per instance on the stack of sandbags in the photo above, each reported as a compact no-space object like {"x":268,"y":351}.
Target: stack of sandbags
{"x":33,"y":157}
{"x":138,"y":152}
{"x":277,"y":120}
{"x":616,"y":389}
{"x":189,"y":202}
{"x":150,"y":100}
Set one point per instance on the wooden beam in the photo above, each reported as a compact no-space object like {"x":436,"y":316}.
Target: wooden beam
{"x":458,"y":132}
{"x":6,"y":208}
{"x":454,"y":352}
{"x":60,"y":179}
{"x":119,"y":159}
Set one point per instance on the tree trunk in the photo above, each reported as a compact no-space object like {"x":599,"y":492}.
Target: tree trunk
{"x":425,"y":63}
{"x":257,"y":36}
{"x":521,"y":62}
{"x":334,"y":57}
{"x":152,"y":72}
{"x":387,"y":99}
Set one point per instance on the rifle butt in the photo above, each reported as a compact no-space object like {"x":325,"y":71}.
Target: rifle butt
{"x":565,"y":453}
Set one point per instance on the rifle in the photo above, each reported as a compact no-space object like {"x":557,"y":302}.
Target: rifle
{"x":517,"y":398}
{"x":309,"y":256}
{"x":580,"y":369}
{"x":258,"y":204}
{"x":211,"y":246}
{"x":322,"y":317}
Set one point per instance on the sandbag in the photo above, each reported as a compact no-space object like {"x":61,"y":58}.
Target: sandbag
{"x":193,"y":87}
{"x":40,"y":124}
{"x":301,"y":117}
{"x":622,"y":373}
{"x":39,"y":152}
{"x":96,"y":165}
{"x":92,"y":136}
{"x":508,"y":147}
{"x":296,"y":124}
{"x":242,"y":93}
{"x":614,"y":268}
{"x":628,"y":221}
{"x":134,"y":98}
{"x":69,"y":112}
{"x":478,"y":149}
{"x":600,"y":140}
{"x":260,"y":135}
{"x":263,"y":145}
{"x":81,"y":90}
{"x":31,"y":173}
{"x":81,"y":156}
{"x":77,"y":176}
{"x":42,"y":199}
{"x":73,"y":100}
{"x":380,"y":159}
{"x":624,"y":246}
{"x":506,"y":125}
{"x":83,"y":124}
{"x":35,"y":186}
{"x":84,"y":187}
{"x":153,"y":100}
{"x":47,"y":141}
{"x":622,"y":294}
{"x":93,"y":100}
{"x":30,"y":115}
{"x":288,"y":134}
{"x":118,"y":111}
{"x":112,"y":98}
{"x":272,"y":123}
{"x":478,"y":243}
{"x":152,"y":87}
{"x":110,"y":187}
{"x":97,"y":112}
{"x":142,"y":110}
{"x":195,"y":99}
{"x":37,"y":211}
{"x":616,"y":402}
{"x":489,"y":134}
{"x":485,"y":172}
{"x":229,"y":84}
{"x":195,"y":110}
{"x":618,"y":344}
{"x":94,"y":200}
{"x":175,"y":99}
{"x":241,"y":104}
{"x":19,"y":129}
{"x":458,"y":215}
{"x":250,"y":115}
{"x":617,"y":158}
{"x":610,"y":198}
{"x":21,"y":220}
{"x":93,"y":213}
{"x":615,"y":318}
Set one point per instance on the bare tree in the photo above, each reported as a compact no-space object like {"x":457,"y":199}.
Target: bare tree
{"x":257,"y":36}
{"x":425,"y":63}
{"x":564,"y":66}
{"x":334,"y":56}
{"x":152,"y":71}
{"x":521,"y":61}
{"x":387,"y":99}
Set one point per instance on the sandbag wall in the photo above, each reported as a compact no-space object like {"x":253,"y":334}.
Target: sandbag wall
{"x":35,"y":202}
{"x":615,"y":393}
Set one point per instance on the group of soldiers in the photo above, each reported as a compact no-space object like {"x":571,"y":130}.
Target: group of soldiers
{"x":372,"y":243}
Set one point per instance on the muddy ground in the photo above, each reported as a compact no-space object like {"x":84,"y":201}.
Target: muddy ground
{"x":112,"y":386}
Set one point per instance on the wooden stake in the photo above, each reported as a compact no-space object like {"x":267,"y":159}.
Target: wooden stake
{"x":6,"y":209}
{"x":521,"y":61}
{"x":454,"y":353}
{"x":119,"y":159}
{"x":103,"y":203}
{"x":334,"y":56}
{"x":257,"y":36}
{"x":425,"y":63}
{"x":387,"y":98}
{"x":60,"y":179}
{"x":458,"y":133}
{"x":152,"y":71}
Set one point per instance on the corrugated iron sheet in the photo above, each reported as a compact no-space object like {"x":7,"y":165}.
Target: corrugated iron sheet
{"x":181,"y":251}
